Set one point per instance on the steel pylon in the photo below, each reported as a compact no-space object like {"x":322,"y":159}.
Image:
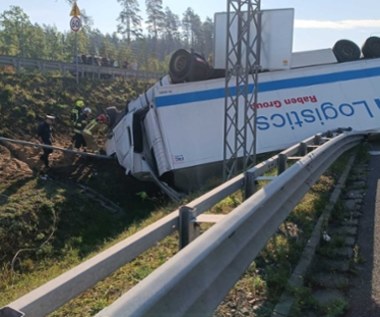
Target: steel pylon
{"x":241,"y":85}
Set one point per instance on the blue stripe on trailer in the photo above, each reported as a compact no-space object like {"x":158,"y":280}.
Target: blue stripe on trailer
{"x":171,"y":100}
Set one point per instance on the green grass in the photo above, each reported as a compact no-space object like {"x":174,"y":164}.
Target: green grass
{"x":83,"y":229}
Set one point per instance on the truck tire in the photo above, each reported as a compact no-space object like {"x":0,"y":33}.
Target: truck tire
{"x":371,"y":47}
{"x":179,"y":65}
{"x":346,"y":51}
{"x":187,"y":66}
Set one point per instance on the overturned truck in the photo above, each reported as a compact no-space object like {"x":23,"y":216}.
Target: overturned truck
{"x":174,"y":131}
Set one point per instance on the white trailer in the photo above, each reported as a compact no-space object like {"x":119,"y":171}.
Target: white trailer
{"x":175,"y":131}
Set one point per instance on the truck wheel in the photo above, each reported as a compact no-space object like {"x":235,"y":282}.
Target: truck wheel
{"x":187,"y":66}
{"x":179,"y":65}
{"x":371,"y":47}
{"x":346,"y":50}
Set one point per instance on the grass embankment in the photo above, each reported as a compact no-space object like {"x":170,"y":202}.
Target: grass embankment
{"x":26,"y":98}
{"x":47,"y":226}
{"x":86,"y":228}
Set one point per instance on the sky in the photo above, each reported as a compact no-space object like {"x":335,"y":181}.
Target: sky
{"x":317,"y":25}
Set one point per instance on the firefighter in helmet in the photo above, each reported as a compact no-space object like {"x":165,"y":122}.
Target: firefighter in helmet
{"x":77,"y":110}
{"x":79,"y":126}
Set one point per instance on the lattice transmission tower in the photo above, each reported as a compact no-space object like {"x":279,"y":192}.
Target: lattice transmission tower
{"x":242,"y":67}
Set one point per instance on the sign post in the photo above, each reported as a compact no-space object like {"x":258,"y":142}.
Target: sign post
{"x":75,"y":25}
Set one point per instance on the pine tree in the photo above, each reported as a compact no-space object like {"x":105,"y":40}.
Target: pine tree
{"x":130,"y":20}
{"x":156,"y":17}
{"x":16,"y":27}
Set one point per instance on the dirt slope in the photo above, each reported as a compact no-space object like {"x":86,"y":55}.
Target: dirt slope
{"x":24,"y":190}
{"x":26,"y":98}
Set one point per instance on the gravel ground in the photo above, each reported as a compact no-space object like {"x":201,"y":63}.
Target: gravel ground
{"x":364,"y":295}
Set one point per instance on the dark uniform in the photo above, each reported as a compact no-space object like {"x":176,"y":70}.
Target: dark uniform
{"x":44,"y":132}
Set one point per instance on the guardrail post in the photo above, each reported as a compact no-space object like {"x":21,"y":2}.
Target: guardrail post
{"x":282,"y":163}
{"x":17,"y":65}
{"x":303,"y":149}
{"x":317,"y":139}
{"x":188,"y":228}
{"x":250,"y":184}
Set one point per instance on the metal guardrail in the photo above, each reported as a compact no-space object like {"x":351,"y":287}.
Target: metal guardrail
{"x":196,"y":279}
{"x":45,"y":146}
{"x":20,"y":63}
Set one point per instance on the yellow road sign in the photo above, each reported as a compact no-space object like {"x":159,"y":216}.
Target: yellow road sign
{"x":75,"y":10}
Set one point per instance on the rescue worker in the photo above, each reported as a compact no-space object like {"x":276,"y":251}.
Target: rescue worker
{"x":80,"y":124}
{"x":77,"y":110}
{"x":44,"y":132}
{"x":74,"y":116}
{"x":100,"y":123}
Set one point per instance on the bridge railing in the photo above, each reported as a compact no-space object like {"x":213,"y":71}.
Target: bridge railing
{"x":197,"y":278}
{"x":94,"y":71}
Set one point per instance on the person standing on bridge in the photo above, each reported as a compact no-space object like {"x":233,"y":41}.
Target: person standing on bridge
{"x":44,"y":132}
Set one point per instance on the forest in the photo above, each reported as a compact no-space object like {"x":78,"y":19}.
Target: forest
{"x":147,"y":49}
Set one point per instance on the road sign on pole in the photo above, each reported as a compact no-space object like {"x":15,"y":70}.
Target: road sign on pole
{"x":75,"y":23}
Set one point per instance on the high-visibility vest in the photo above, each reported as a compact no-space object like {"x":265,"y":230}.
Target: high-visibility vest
{"x":90,"y":127}
{"x":76,"y":111}
{"x":95,"y":126}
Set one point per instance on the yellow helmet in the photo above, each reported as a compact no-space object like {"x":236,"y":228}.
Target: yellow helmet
{"x":79,"y":103}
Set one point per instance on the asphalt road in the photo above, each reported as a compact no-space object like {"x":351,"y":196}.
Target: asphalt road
{"x":364,"y":295}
